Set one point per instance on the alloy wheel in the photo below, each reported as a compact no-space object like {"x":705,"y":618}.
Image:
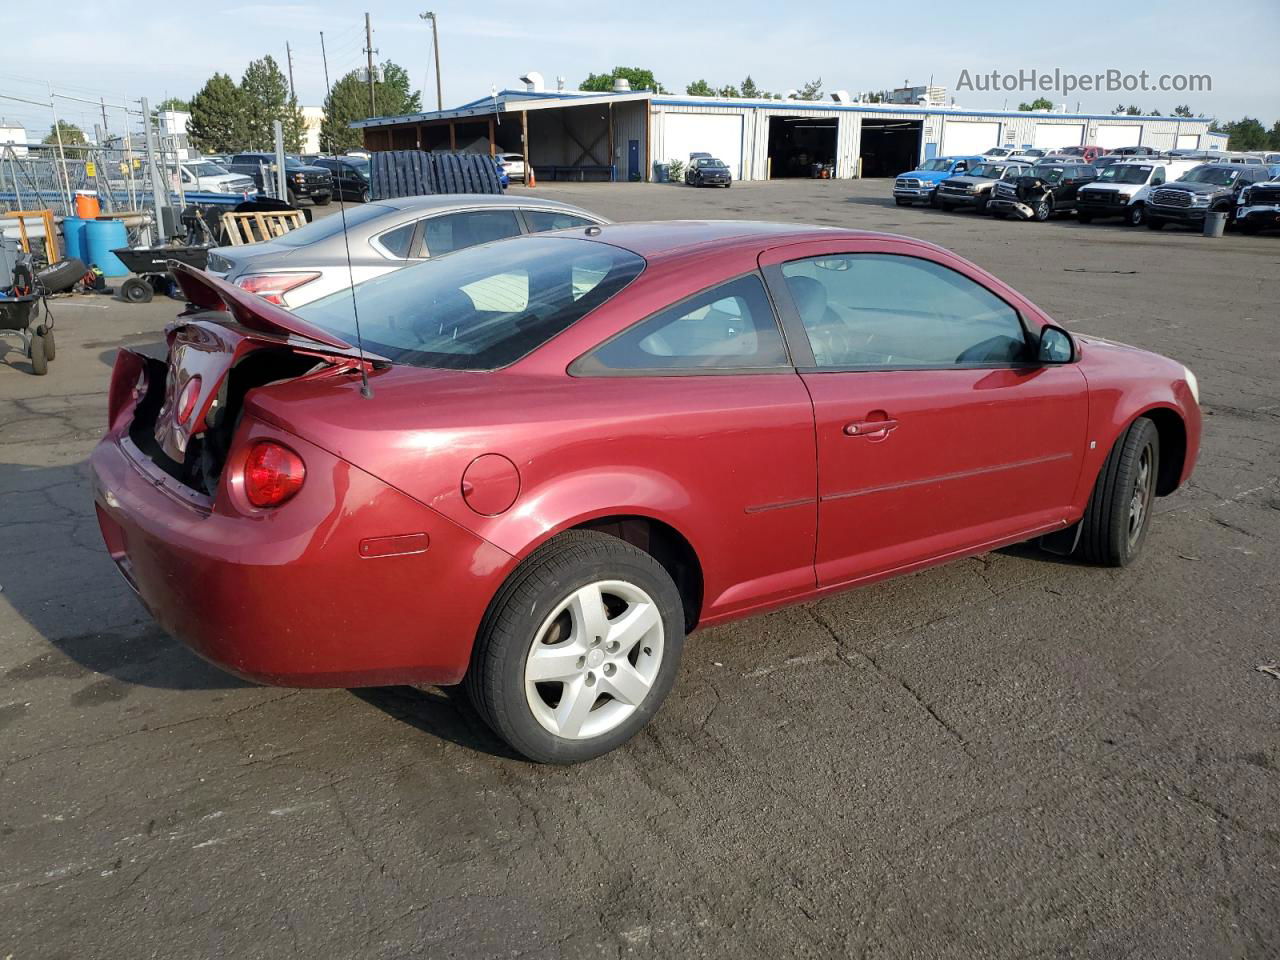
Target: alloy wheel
{"x":1143,"y":489}
{"x":594,"y":659}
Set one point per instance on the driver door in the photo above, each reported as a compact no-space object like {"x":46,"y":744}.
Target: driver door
{"x":936,"y":434}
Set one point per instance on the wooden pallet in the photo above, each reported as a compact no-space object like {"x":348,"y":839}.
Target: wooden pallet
{"x":245,"y":228}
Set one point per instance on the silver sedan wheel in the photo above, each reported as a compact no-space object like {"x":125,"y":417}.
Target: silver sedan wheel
{"x":594,"y":659}
{"x":1140,"y":502}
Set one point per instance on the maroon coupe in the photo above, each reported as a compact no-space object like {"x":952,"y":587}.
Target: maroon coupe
{"x":576,"y":447}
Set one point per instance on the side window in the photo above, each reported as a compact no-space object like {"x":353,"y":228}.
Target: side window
{"x":539,"y":220}
{"x":1157,"y":178}
{"x":889,"y":312}
{"x":731,"y":326}
{"x":396,"y":242}
{"x":456,"y":231}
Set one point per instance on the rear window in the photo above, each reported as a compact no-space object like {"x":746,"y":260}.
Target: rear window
{"x":480,"y":308}
{"x":330,"y":226}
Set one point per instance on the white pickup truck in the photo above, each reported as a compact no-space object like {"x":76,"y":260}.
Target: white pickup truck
{"x":205,"y":176}
{"x":1121,"y":188}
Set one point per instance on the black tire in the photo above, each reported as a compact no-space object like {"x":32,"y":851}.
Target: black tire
{"x":136,"y":290}
{"x":365,"y":196}
{"x":902,"y":201}
{"x":1154,"y":224}
{"x":1084,"y":218}
{"x":934,"y":202}
{"x":322,"y":201}
{"x":39,"y":362}
{"x":948,"y":207}
{"x":495,"y":681}
{"x":1043,"y":210}
{"x":292,"y":198}
{"x":50,"y":348}
{"x":1136,"y":215}
{"x":1110,"y":535}
{"x":999,"y":214}
{"x":981,"y":206}
{"x":1247,"y":228}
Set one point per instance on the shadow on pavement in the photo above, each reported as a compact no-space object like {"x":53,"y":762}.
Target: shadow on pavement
{"x":443,"y":712}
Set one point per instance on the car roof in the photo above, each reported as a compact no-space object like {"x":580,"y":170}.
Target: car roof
{"x":672,"y":238}
{"x":440,"y":201}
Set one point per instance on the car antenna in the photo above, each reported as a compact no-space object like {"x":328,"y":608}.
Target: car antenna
{"x":365,"y":390}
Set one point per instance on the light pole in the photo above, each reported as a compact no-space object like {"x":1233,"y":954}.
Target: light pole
{"x":435,"y":45}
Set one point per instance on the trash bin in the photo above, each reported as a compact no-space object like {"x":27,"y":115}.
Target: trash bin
{"x":662,"y":173}
{"x":1214,"y":223}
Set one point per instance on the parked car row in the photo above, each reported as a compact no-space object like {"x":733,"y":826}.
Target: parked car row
{"x":1135,"y":187}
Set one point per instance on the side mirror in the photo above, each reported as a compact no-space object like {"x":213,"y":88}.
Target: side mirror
{"x":1056,"y":346}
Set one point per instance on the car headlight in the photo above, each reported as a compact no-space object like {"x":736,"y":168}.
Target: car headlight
{"x":1192,"y":383}
{"x":1200,"y":200}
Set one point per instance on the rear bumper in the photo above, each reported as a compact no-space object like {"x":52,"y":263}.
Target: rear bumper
{"x":315,"y":593}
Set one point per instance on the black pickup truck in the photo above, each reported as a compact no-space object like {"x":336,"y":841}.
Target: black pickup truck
{"x":1210,"y":187}
{"x":304,"y":182}
{"x":1259,"y":207}
{"x":1049,"y":188}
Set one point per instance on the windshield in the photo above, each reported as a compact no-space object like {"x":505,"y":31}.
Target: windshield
{"x":936,"y":165}
{"x":1219,"y":176}
{"x":997,"y":152}
{"x":323,"y":229}
{"x":1125,"y":173}
{"x":479,"y":308}
{"x":990,"y":170}
{"x":205,"y":168}
{"x":1048,"y":174}
{"x":709,"y":162}
{"x":360,"y":163}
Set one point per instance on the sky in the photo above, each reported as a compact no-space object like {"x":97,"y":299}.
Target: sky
{"x":161,"y":49}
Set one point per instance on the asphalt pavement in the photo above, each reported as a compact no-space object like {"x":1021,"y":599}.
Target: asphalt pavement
{"x":1010,"y":756}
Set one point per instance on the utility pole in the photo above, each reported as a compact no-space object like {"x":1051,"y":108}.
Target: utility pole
{"x":368,"y":49}
{"x":288,"y":50}
{"x":325,"y":60}
{"x":159,"y":195}
{"x":435,"y":46}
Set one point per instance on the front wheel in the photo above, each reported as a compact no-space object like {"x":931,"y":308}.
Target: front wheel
{"x":1116,"y":520}
{"x":322,"y":201}
{"x":981,"y":206}
{"x":1084,"y":218}
{"x":365,"y":196}
{"x":1043,"y":209}
{"x":136,"y":290}
{"x":1137,"y":215}
{"x":578,"y":649}
{"x":1154,"y":224}
{"x":902,"y":202}
{"x":39,"y":360}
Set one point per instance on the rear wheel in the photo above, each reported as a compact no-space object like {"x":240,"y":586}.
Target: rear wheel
{"x":136,"y":290}
{"x":578,"y":650}
{"x":365,"y":196}
{"x":1116,"y":520}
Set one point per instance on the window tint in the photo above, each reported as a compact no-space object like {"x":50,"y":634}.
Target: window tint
{"x":479,"y":309}
{"x":730,"y":326}
{"x":540,"y":220}
{"x":882,"y":311}
{"x":397,"y":241}
{"x":456,"y":231}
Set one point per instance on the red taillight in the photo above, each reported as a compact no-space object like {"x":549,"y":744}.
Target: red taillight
{"x":272,"y":474}
{"x":273,"y":286}
{"x":187,"y":401}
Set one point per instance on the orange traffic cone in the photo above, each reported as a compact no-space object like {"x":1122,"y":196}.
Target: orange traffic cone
{"x":533,"y":180}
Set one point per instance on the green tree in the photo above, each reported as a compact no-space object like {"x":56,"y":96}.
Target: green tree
{"x":728,"y":90}
{"x":699,"y":88}
{"x":638,"y":77}
{"x":753,"y":92}
{"x":811,"y":90}
{"x":1132,"y":110}
{"x":1275,"y":136}
{"x":174,"y":103}
{"x":1182,"y":110}
{"x":217,"y":123}
{"x":1039,"y":103}
{"x":266,"y":99}
{"x":71,"y":134}
{"x":349,"y":101}
{"x":1246,"y":134}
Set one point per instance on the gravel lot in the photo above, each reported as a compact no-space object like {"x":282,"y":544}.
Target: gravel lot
{"x":1011,"y":756}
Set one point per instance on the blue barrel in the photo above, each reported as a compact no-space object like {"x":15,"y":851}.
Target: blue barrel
{"x":73,"y":237}
{"x":100,"y":238}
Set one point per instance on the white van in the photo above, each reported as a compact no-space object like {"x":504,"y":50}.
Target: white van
{"x":1121,"y":188}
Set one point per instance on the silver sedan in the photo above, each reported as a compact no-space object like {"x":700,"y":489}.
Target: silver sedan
{"x":311,"y":262}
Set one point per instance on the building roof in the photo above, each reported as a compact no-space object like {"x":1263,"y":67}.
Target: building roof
{"x":505,"y":101}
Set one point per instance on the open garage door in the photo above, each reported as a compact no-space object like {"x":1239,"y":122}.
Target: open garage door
{"x":796,"y":144}
{"x":716,"y":134}
{"x":962,"y":138}
{"x":1119,"y":135}
{"x":887,"y":148}
{"x":1051,"y":136}
{"x":1188,"y":141}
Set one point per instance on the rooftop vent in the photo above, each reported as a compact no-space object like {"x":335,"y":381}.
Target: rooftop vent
{"x":559,"y":84}
{"x":621,"y":85}
{"x":532,"y":81}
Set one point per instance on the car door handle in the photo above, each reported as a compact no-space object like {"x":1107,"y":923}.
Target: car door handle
{"x":873,"y":429}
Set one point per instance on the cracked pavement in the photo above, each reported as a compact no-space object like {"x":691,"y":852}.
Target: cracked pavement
{"x":1010,"y":756}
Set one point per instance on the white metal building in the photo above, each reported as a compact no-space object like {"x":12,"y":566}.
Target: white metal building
{"x":623,"y":134}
